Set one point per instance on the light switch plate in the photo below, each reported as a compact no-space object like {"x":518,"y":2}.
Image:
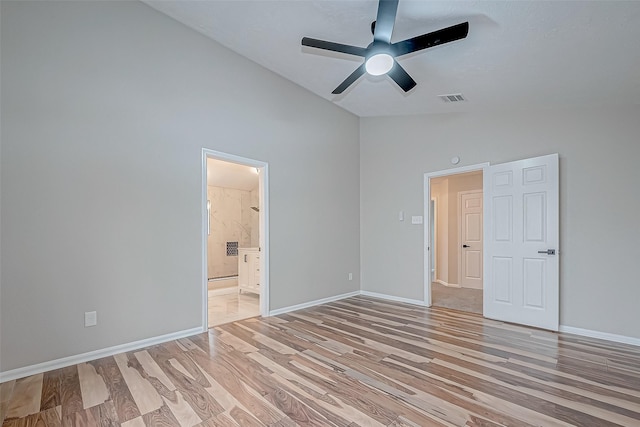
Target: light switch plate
{"x":90,"y":318}
{"x":416,"y":219}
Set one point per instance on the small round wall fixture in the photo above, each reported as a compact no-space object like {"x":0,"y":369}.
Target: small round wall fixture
{"x":455,"y":160}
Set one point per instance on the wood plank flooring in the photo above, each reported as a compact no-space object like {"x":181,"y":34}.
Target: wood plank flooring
{"x":355,"y":362}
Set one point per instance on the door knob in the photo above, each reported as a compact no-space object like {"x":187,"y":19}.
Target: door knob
{"x":466,"y":246}
{"x":548,"y":252}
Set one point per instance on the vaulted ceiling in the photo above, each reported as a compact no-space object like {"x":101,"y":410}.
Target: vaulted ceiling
{"x":518,"y":54}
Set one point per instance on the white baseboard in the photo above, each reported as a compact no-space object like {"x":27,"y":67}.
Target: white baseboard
{"x":448,"y":285}
{"x":312,"y":303}
{"x":393,"y":298}
{"x":223,"y":291}
{"x":601,"y":335}
{"x":93,"y":355}
{"x":221,"y":279}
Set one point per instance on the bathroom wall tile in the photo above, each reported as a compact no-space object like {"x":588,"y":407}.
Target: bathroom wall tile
{"x":245,"y":214}
{"x":231,"y":221}
{"x":254,"y":220}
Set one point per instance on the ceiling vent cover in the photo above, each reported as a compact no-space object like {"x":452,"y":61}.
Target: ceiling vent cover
{"x":453,"y":97}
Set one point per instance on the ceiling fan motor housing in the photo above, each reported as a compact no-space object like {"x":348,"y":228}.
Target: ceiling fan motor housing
{"x":377,"y":47}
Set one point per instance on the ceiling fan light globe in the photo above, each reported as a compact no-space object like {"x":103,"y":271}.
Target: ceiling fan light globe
{"x":379,"y":64}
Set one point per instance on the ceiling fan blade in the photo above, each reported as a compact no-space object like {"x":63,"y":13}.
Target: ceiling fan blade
{"x":385,"y":20}
{"x":336,"y":47}
{"x":400,"y":76}
{"x":435,"y":38}
{"x":350,"y":80}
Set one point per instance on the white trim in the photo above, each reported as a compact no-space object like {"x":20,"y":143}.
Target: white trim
{"x":425,"y":206}
{"x":394,"y":298}
{"x":433,"y":243}
{"x":600,"y":335}
{"x":313,"y":303}
{"x":263,"y":218}
{"x":220,"y":279}
{"x":223,"y":291}
{"x":448,"y":285}
{"x":93,"y":355}
{"x":343,"y":296}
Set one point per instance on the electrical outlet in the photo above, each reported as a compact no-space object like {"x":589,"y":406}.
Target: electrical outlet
{"x":350,"y":276}
{"x":90,"y":318}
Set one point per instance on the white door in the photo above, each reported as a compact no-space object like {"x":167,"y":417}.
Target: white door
{"x":521,"y":279}
{"x":470,"y":250}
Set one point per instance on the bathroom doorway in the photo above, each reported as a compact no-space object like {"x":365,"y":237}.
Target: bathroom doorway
{"x":234,"y":250}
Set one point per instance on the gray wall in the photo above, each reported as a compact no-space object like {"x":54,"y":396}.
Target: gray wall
{"x":599,"y":205}
{"x":105,"y":109}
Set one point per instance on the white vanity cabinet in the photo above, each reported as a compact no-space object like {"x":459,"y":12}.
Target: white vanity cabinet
{"x":249,"y":270}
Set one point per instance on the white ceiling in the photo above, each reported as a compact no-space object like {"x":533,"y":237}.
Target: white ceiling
{"x":231,"y":175}
{"x":518,"y":54}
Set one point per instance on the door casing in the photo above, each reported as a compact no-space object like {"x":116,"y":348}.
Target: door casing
{"x":427,"y":228}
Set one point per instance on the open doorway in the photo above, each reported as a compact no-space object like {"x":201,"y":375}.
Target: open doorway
{"x":234,"y":248}
{"x":455,"y":231}
{"x":520,"y":234}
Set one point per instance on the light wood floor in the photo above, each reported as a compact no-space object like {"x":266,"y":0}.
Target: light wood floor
{"x":358,"y":361}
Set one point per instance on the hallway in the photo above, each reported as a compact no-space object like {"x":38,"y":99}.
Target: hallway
{"x":463,"y":299}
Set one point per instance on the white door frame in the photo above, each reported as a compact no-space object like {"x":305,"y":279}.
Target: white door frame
{"x":433,"y":272}
{"x":263,"y":219}
{"x":427,"y":227}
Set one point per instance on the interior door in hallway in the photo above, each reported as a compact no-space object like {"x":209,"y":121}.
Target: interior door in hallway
{"x":521,"y":224}
{"x":470,"y":245}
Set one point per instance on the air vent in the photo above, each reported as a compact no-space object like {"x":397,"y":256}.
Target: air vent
{"x":453,"y":97}
{"x":232,"y":248}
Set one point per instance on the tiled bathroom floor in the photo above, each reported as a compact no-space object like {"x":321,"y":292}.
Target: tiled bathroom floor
{"x":231,"y":307}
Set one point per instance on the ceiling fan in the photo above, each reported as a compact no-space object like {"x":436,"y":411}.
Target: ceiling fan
{"x":380,"y":56}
